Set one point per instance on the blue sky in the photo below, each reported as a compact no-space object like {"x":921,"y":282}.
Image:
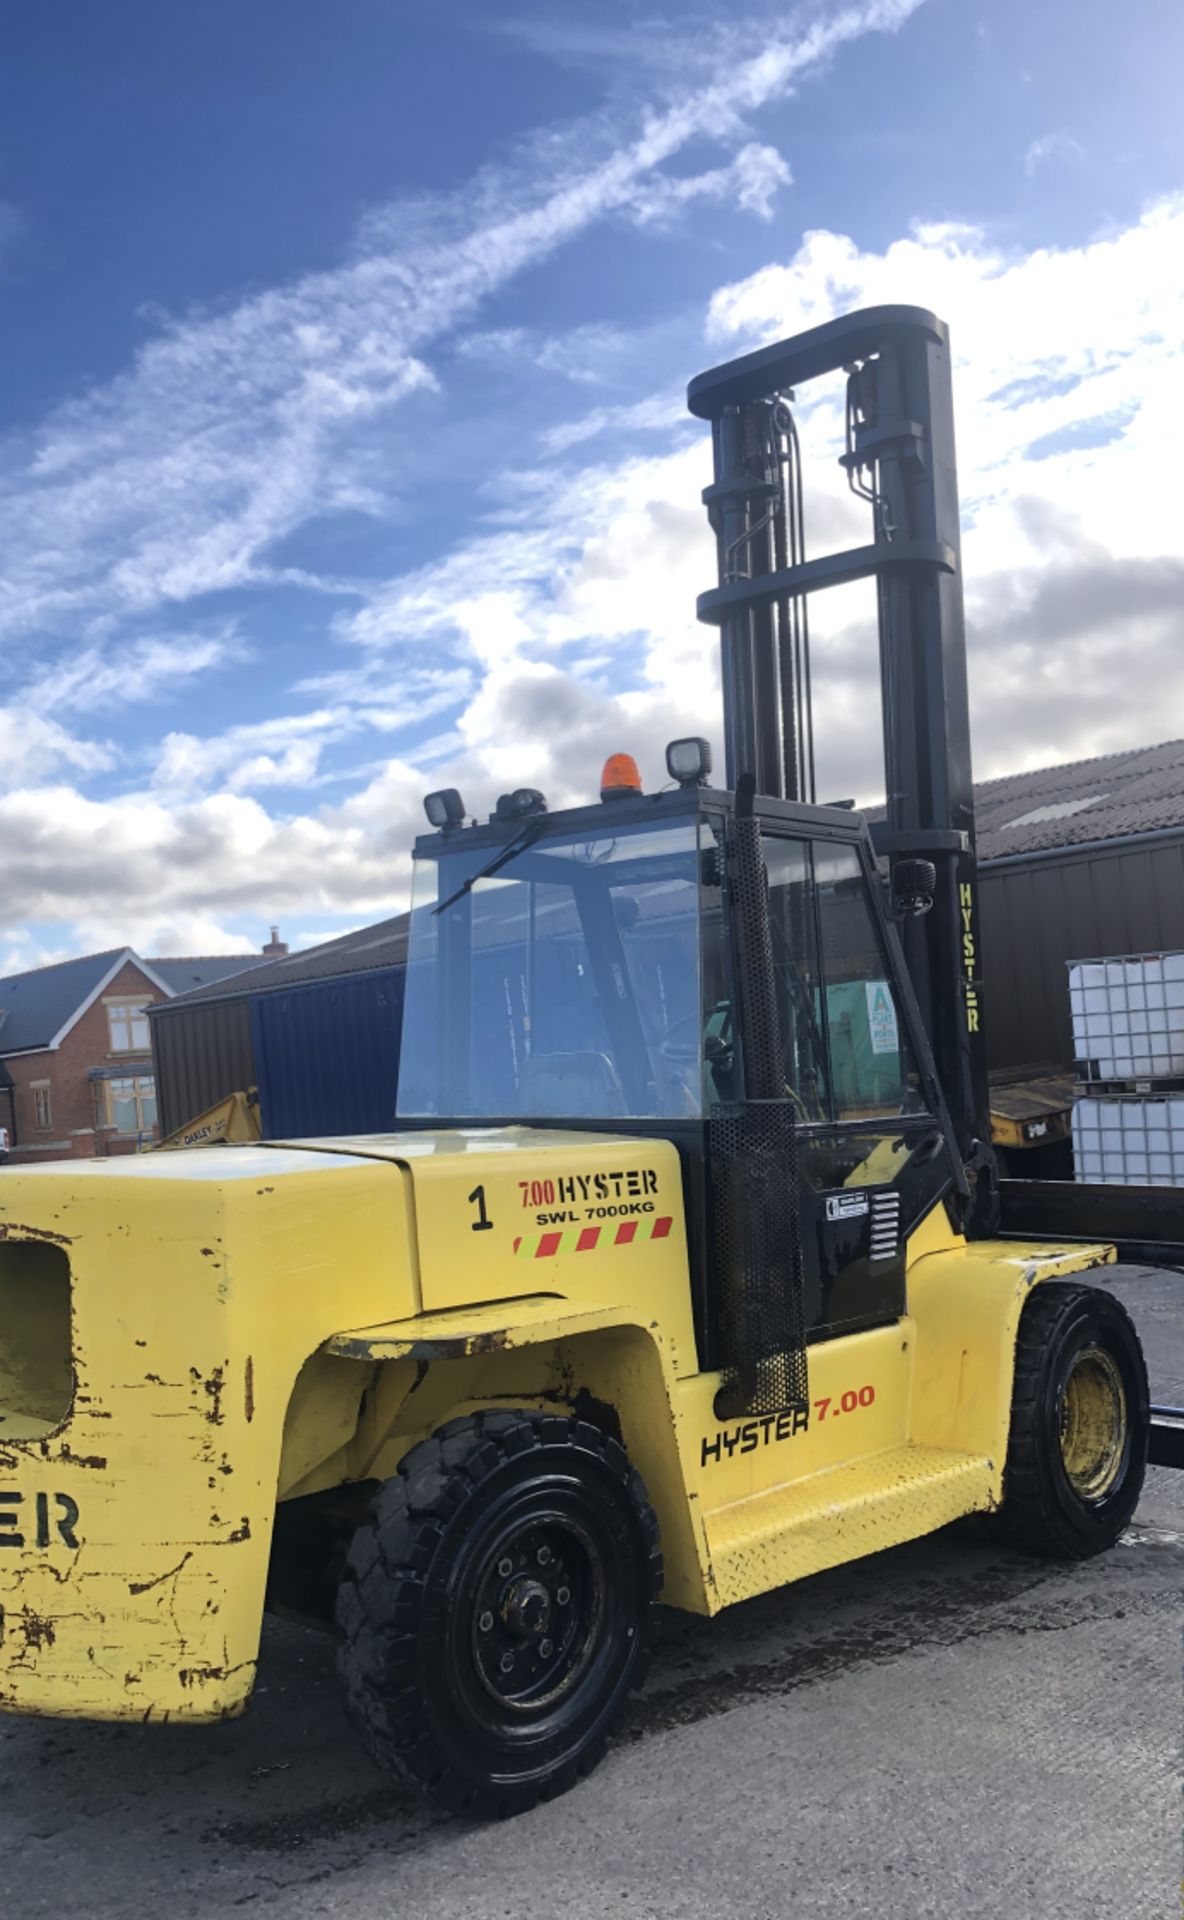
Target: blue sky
{"x":343,"y":452}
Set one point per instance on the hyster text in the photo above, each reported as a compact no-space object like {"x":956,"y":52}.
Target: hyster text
{"x":751,"y":1434}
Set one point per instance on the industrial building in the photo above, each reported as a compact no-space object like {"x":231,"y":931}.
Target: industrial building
{"x":1076,"y":862}
{"x":316,"y":1032}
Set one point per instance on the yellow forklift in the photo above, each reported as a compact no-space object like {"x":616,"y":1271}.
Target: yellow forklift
{"x":678,"y":1277}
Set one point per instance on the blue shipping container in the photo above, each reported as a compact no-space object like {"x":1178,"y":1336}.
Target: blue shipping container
{"x":327,"y":1055}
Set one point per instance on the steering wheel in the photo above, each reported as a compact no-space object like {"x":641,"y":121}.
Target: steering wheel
{"x":681,"y":1042}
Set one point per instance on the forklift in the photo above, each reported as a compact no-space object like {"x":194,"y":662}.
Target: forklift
{"x":692,"y":1167}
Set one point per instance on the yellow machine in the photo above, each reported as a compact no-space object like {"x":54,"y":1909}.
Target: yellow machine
{"x":676,"y":1281}
{"x":232,"y":1120}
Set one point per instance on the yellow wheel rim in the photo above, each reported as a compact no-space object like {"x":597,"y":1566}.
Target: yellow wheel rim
{"x":1093,"y":1424}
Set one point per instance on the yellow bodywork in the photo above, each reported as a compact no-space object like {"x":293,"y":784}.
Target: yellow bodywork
{"x":186,"y":1338}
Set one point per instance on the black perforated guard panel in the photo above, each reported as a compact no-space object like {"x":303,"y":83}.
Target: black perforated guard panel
{"x":758,"y":1250}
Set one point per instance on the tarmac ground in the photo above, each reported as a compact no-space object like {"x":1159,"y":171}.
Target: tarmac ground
{"x":946,"y":1729}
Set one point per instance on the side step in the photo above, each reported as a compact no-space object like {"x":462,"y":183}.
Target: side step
{"x":840,"y":1515}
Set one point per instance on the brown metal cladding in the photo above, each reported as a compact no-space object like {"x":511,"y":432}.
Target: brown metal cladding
{"x":201,"y":1053}
{"x":1038,"y":915}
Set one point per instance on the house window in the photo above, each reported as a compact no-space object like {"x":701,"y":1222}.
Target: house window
{"x":127,"y":1026}
{"x":42,"y":1111}
{"x":128,"y":1105}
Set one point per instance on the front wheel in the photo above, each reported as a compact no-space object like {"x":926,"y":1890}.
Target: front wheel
{"x":496,"y":1608}
{"x":1080,"y":1422}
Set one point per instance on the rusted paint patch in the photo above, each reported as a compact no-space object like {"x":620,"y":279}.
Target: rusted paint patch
{"x":204,"y":1676}
{"x":500,"y":1340}
{"x":249,"y":1389}
{"x":37,"y":1629}
{"x":96,"y":1460}
{"x":22,"y":1232}
{"x":144,"y":1586}
{"x":242,"y":1532}
{"x":213,"y":1386}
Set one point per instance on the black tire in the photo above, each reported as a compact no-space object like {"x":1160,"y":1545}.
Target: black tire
{"x":1072,"y":1483}
{"x":522,"y":1538}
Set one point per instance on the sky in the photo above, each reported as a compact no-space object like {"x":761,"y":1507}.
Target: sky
{"x":343,"y":443}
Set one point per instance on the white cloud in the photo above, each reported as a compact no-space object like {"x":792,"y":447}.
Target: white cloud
{"x":33,"y":747}
{"x":287,"y":750}
{"x":759,"y":172}
{"x":587,"y":355}
{"x":752,"y":179}
{"x":96,"y":678}
{"x":1052,"y":146}
{"x":659,"y":414}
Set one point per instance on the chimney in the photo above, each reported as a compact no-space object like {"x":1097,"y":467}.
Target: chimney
{"x":275,"y":948}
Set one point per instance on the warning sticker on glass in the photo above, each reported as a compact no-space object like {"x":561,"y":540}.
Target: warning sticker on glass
{"x":881,"y":1017}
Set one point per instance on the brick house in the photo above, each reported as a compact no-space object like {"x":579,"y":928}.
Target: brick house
{"x":75,"y":1055}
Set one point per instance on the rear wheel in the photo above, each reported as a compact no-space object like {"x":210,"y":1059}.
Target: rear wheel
{"x":496,"y":1607}
{"x":1079,"y":1423}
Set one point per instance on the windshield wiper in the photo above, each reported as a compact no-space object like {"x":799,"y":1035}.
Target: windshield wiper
{"x":525,"y":839}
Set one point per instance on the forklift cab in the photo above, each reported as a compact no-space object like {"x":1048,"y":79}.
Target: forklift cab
{"x":587,"y":969}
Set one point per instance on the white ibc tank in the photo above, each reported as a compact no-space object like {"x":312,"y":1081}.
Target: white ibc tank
{"x":1128,"y":1016}
{"x":1129,"y":1142}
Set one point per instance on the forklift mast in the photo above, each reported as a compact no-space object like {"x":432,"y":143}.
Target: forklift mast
{"x":899,"y":458}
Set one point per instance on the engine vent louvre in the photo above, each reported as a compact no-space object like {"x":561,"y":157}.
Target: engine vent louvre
{"x":885,"y":1226}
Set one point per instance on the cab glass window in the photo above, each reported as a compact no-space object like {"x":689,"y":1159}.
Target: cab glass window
{"x":564,"y":982}
{"x":872,"y":1069}
{"x":795,"y":963}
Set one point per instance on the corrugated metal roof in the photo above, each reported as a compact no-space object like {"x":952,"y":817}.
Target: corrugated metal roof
{"x":1107,"y":798}
{"x":364,"y":950}
{"x":184,"y":974}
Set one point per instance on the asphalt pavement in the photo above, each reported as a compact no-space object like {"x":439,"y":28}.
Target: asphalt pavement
{"x":949,"y":1729}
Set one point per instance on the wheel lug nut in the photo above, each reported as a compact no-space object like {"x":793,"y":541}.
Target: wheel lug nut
{"x":545,"y":1649}
{"x":507,"y":1663}
{"x":563,"y":1595}
{"x":544,"y":1556}
{"x":485,"y":1623}
{"x":505,"y":1567}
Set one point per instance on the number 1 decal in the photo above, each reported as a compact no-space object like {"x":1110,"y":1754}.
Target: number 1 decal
{"x":482,"y":1223}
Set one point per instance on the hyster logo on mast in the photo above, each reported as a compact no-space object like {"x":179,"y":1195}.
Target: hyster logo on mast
{"x":969,"y":955}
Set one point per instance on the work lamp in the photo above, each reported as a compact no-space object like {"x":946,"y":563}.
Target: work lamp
{"x":689,"y":761}
{"x":445,"y":809}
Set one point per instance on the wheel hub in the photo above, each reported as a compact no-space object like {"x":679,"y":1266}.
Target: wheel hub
{"x":526,"y":1609}
{"x":538,"y":1612}
{"x":1093,"y":1423}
